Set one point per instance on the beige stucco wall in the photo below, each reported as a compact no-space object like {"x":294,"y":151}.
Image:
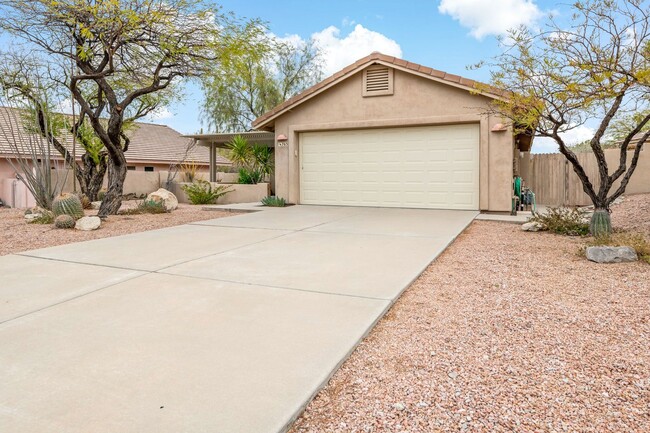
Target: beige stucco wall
{"x":416,"y":101}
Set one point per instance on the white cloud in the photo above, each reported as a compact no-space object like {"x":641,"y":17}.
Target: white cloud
{"x":65,"y":106}
{"x":348,"y":22}
{"x":572,"y":137}
{"x":160,"y":113}
{"x":492,"y":17}
{"x":339,"y":52}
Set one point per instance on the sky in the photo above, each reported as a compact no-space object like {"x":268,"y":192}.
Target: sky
{"x":449,"y":35}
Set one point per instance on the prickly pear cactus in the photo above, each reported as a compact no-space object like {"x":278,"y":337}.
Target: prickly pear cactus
{"x":600,"y":224}
{"x":64,"y":222}
{"x":68,"y":204}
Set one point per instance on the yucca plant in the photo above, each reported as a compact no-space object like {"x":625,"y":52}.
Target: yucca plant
{"x":254,"y":161}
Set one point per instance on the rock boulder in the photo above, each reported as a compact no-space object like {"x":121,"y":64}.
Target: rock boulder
{"x":532,"y":226}
{"x":88,"y":223}
{"x":611,"y":254}
{"x":167,"y":198}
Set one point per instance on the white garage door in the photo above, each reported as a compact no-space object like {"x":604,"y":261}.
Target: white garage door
{"x":432,"y":167}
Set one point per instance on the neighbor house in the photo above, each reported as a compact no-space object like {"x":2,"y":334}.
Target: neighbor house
{"x":152,"y":148}
{"x":387,"y":132}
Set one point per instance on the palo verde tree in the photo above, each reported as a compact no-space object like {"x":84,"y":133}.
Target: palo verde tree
{"x":594,"y":70}
{"x":123,"y":53}
{"x":246,"y":86}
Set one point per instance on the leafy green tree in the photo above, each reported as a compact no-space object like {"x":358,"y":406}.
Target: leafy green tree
{"x":596,"y":69}
{"x":125,"y":53}
{"x":247,"y":86}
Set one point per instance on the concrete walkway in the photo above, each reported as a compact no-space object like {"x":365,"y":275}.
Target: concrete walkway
{"x":227,"y":325}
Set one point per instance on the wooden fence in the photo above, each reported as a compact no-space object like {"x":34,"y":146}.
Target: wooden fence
{"x":552,"y":179}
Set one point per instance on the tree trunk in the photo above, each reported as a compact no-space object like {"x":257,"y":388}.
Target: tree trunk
{"x":91,"y":177}
{"x":116,"y":175}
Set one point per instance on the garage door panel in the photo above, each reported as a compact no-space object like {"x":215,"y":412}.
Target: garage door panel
{"x":427,"y":167}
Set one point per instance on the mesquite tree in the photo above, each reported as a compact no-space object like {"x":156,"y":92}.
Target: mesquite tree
{"x":124,"y":52}
{"x":593,"y":70}
{"x":248,"y":85}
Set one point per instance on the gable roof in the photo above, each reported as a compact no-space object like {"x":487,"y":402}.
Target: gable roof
{"x":382,"y":59}
{"x":150,"y":143}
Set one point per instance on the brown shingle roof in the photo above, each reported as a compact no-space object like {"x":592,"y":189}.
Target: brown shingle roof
{"x":149,"y":142}
{"x":375,"y":57}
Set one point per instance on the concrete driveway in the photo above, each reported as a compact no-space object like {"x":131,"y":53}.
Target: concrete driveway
{"x":227,"y":325}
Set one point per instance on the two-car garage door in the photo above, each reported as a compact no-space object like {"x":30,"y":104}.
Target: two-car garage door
{"x":432,"y":167}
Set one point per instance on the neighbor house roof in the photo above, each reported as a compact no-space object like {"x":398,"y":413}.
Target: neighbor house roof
{"x":377,"y":58}
{"x":150,"y":143}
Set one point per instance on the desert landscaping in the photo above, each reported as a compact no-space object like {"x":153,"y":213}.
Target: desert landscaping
{"x":505,"y":331}
{"x":20,"y":236}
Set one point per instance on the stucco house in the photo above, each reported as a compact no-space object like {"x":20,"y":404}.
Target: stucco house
{"x":387,"y":132}
{"x":152,"y":148}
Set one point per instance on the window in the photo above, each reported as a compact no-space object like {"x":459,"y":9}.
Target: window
{"x":377,"y":81}
{"x":147,"y":168}
{"x":130,"y":167}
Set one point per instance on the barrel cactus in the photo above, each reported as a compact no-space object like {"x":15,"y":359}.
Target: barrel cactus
{"x":68,"y":204}
{"x":601,"y":223}
{"x":64,"y":222}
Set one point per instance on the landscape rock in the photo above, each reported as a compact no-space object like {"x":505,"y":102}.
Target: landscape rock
{"x":88,"y":223}
{"x":95,"y":205}
{"x":31,"y":216}
{"x":611,"y":254}
{"x":532,"y":226}
{"x":167,"y":198}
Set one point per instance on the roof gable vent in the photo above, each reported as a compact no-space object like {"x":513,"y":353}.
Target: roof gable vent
{"x":377,"y":81}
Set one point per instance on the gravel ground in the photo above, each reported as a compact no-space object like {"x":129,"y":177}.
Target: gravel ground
{"x":633,"y":214}
{"x":505,"y":332}
{"x":18,"y":236}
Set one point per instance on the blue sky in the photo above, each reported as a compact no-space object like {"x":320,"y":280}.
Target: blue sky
{"x":448,"y":35}
{"x":444,"y":34}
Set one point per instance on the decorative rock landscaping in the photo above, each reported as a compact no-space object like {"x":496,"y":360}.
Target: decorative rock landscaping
{"x":88,"y":223}
{"x":168,"y":199}
{"x":611,"y":254}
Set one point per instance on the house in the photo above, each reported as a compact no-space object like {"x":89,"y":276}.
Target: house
{"x":387,"y":132}
{"x":153,"y":148}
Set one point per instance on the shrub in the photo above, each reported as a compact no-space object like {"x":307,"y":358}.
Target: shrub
{"x":254,"y":161}
{"x":146,"y":207}
{"x":636,"y":241}
{"x":189,"y":169}
{"x":202,"y":192}
{"x":250,"y":177}
{"x":45,"y":217}
{"x":64,"y":222}
{"x":85,"y":201}
{"x":68,"y":204}
{"x":274,"y":201}
{"x":562,"y":220}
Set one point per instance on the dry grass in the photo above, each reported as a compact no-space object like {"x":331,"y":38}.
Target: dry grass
{"x":505,"y":332}
{"x":19,"y":236}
